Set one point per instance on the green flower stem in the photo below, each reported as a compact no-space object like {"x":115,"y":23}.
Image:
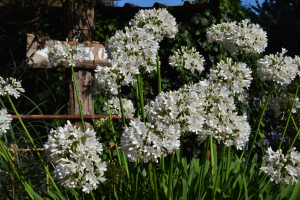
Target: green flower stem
{"x":33,"y":144}
{"x":137,"y":97}
{"x":298,"y":131}
{"x":151,"y":177}
{"x":294,"y":123}
{"x":140,"y":80}
{"x":109,"y":151}
{"x":122,"y":152}
{"x":158,"y":74}
{"x":221,"y":54}
{"x":109,"y":191}
{"x":78,"y":100}
{"x":121,"y":106}
{"x":243,"y":56}
{"x":181,"y":147}
{"x":219,"y":170}
{"x":211,"y":153}
{"x":256,"y":132}
{"x":170,"y":177}
{"x":184,"y":77}
{"x":228,"y":162}
{"x":113,"y":130}
{"x":291,"y":111}
{"x":155,"y":181}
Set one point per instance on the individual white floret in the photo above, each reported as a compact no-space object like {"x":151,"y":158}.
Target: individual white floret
{"x":5,"y":119}
{"x":75,"y":156}
{"x":237,"y":77}
{"x":115,"y":109}
{"x":159,"y":23}
{"x":282,"y":104}
{"x":278,"y":68}
{"x":10,"y":87}
{"x":188,"y":59}
{"x":282,"y":168}
{"x":63,"y":52}
{"x":105,"y":82}
{"x":221,"y":120}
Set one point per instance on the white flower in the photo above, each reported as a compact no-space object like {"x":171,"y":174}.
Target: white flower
{"x":244,"y":37}
{"x":283,"y":103}
{"x":221,"y":120}
{"x":5,"y":119}
{"x":75,"y":156}
{"x":66,"y":53}
{"x":104,"y":81}
{"x":282,"y":168}
{"x":297,"y":62}
{"x":130,"y":51}
{"x":236,"y":77}
{"x":277,"y":68}
{"x":159,"y":22}
{"x":141,"y":140}
{"x":114,"y":105}
{"x":188,"y":59}
{"x":11,"y":87}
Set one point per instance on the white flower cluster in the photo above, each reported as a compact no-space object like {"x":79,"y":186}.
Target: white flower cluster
{"x":74,"y":154}
{"x":104,"y":82}
{"x":5,"y":119}
{"x":283,"y":103}
{"x":277,"y":68}
{"x":188,"y":59}
{"x":159,"y":23}
{"x":221,"y":122}
{"x":237,"y":77}
{"x":142,"y":141}
{"x":11,"y":87}
{"x":297,"y":62}
{"x":244,"y":37}
{"x":63,"y":52}
{"x":115,"y":109}
{"x":282,"y":168}
{"x":130,"y":51}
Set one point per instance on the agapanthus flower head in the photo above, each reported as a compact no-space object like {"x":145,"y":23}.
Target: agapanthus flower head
{"x":159,"y":23}
{"x":105,"y":82}
{"x":75,"y":156}
{"x":237,"y":77}
{"x":10,"y":87}
{"x":184,"y":110}
{"x":282,"y":168}
{"x":297,"y":62}
{"x":103,"y":123}
{"x":130,"y":51}
{"x":115,"y":109}
{"x":241,"y":37}
{"x":187,"y":59}
{"x":221,"y":120}
{"x":220,"y":32}
{"x":63,"y":52}
{"x":5,"y":119}
{"x":282,"y":104}
{"x":278,"y":68}
{"x":141,"y":140}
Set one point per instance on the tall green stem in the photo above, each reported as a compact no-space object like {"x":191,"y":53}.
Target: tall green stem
{"x":113,"y":130}
{"x":256,"y":132}
{"x":211,"y":153}
{"x":158,"y":74}
{"x":140,"y":80}
{"x":78,"y":100}
{"x":155,"y":181}
{"x":219,"y":170}
{"x":33,"y":144}
{"x":121,"y":107}
{"x":286,"y":125}
{"x":228,"y":162}
{"x":221,"y":54}
{"x":170,"y":177}
{"x":296,"y":136}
